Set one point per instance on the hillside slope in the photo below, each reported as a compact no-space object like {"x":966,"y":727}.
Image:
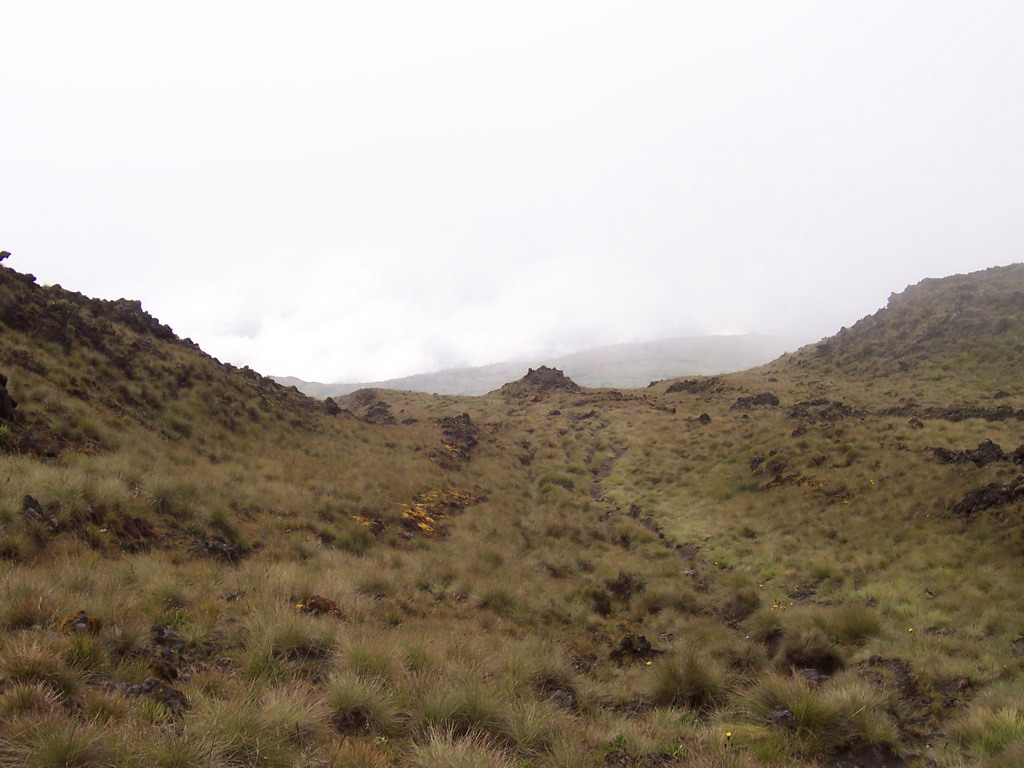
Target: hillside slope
{"x":812,"y":563}
{"x":966,"y":329}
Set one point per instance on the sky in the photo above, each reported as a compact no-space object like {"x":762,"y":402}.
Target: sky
{"x":355,"y":191}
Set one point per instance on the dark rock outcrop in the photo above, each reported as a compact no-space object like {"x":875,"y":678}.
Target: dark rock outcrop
{"x":539,"y":382}
{"x":759,"y":400}
{"x":822,"y":410}
{"x":694,"y":386}
{"x":379,"y":413}
{"x":986,"y":453}
{"x":459,"y":435}
{"x":989,"y":496}
{"x":7,"y":403}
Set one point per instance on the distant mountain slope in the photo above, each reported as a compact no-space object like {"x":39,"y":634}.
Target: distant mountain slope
{"x":619,"y":365}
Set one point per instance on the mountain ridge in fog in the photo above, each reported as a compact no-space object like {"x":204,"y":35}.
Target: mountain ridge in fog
{"x":625,"y":365}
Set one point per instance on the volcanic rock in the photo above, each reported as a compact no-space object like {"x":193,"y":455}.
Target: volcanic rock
{"x":762,"y":399}
{"x":539,"y":382}
{"x":989,"y":496}
{"x":459,"y":435}
{"x":379,"y":413}
{"x":986,"y":453}
{"x":79,"y":622}
{"x":693,"y":386}
{"x":7,"y":403}
{"x":634,"y":647}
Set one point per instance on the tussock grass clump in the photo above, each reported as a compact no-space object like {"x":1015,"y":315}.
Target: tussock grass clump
{"x":992,"y":728}
{"x":689,"y":680}
{"x":447,"y":748}
{"x":51,"y":743}
{"x":359,"y":704}
{"x":810,"y":648}
{"x":27,"y":698}
{"x":793,"y":717}
{"x":461,"y":705}
{"x":35,"y":660}
{"x":265,"y":730}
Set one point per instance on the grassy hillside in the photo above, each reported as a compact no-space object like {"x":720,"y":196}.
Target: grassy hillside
{"x":618,"y":365}
{"x":770,"y":568}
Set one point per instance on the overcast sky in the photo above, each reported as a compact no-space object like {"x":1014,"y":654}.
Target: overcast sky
{"x":361,"y":190}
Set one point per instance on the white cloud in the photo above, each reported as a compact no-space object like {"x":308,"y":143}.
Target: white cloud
{"x":362,"y":190}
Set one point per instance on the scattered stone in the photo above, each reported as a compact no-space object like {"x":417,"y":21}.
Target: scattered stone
{"x":162,"y":636}
{"x":218,"y":546}
{"x":625,"y":585}
{"x":30,"y":507}
{"x":762,"y":399}
{"x":173,"y":699}
{"x":165,"y":670}
{"x":812,"y":676}
{"x":782,"y":717}
{"x":704,"y":419}
{"x":952,"y":691}
{"x":1018,"y":645}
{"x":78,"y":623}
{"x":916,"y":423}
{"x":318,"y":605}
{"x":331,"y":408}
{"x":33,"y":510}
{"x":867,"y":756}
{"x":564,"y":699}
{"x":634,"y":648}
